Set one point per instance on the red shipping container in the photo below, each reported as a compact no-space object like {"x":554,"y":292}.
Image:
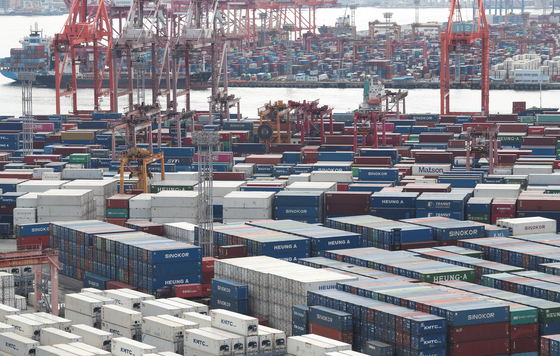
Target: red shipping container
{"x":344,"y":336}
{"x":7,"y":208}
{"x":42,"y":240}
{"x":187,"y":290}
{"x":228,"y":176}
{"x":504,"y":206}
{"x":480,"y":348}
{"x":478,"y":332}
{"x":346,"y":209}
{"x":118,"y":201}
{"x":207,"y":277}
{"x":536,"y":130}
{"x":206,"y":289}
{"x":232,"y":251}
{"x":262,"y":321}
{"x":119,"y":285}
{"x":533,"y":203}
{"x":342,"y":187}
{"x":41,"y":159}
{"x":208,"y":264}
{"x":264,"y":159}
{"x":115,"y":221}
{"x":359,"y":198}
{"x":68,"y":150}
{"x":530,"y":344}
{"x":283,"y":147}
{"x":435,"y":137}
{"x":16,"y":175}
{"x":373,"y":160}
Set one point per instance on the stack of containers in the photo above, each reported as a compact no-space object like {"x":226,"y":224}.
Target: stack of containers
{"x":207,"y":274}
{"x":17,"y":345}
{"x":101,"y":189}
{"x":229,"y":295}
{"x":145,"y":261}
{"x":448,"y":231}
{"x":146,"y":226}
{"x":301,"y":206}
{"x":503,"y":208}
{"x":449,"y":205}
{"x":480,"y":209}
{"x":331,"y":323}
{"x":300,"y":320}
{"x":259,"y":241}
{"x":84,"y":309}
{"x":526,"y":226}
{"x":65,"y":205}
{"x":219,"y":190}
{"x":7,"y":205}
{"x":140,"y":207}
{"x":377,"y":175}
{"x":246,"y":206}
{"x":82,"y":159}
{"x":116,"y":209}
{"x":322,"y":238}
{"x":393,"y":205}
{"x":7,"y":289}
{"x":122,"y":322}
{"x":164,"y":334}
{"x":346,"y":203}
{"x":181,"y":231}
{"x":93,"y":337}
{"x":276,"y":286}
{"x":174,"y":206}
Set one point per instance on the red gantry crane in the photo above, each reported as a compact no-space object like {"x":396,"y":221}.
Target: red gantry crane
{"x":465,"y":34}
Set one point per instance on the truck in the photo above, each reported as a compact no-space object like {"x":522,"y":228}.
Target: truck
{"x":51,"y":336}
{"x":118,"y":315}
{"x":235,"y":322}
{"x":121,"y":346}
{"x":17,"y":345}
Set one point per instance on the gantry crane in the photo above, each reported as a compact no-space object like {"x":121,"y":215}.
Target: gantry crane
{"x":83,"y":30}
{"x":482,"y":142}
{"x":36,"y":256}
{"x":275,"y":125}
{"x":460,"y":33}
{"x":143,"y":158}
{"x":311,"y":119}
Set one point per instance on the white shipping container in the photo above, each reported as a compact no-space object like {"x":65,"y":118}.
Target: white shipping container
{"x":247,"y":213}
{"x":184,"y":307}
{"x":207,"y":342}
{"x":198,"y":307}
{"x":265,"y":341}
{"x":544,"y":179}
{"x":532,"y":169}
{"x":92,"y":336}
{"x":167,"y":353}
{"x":83,"y":304}
{"x":186,"y":323}
{"x":64,"y":197}
{"x":341,"y":346}
{"x":193,"y":352}
{"x":497,"y":190}
{"x":82,"y":174}
{"x":46,"y":323}
{"x":118,"y":315}
{"x":121,"y":346}
{"x":134,"y":333}
{"x":339,"y":177}
{"x":7,"y":310}
{"x":135,"y":293}
{"x":235,"y":322}
{"x":237,"y":342}
{"x":23,"y":326}
{"x":300,"y":346}
{"x":314,"y":186}
{"x":28,"y":200}
{"x":249,"y":200}
{"x":155,"y":307}
{"x":529,"y":226}
{"x":38,"y":172}
{"x":39,"y":186}
{"x":78,"y":318}
{"x":278,"y":337}
{"x":51,"y":336}
{"x":72,"y":349}
{"x":17,"y":345}
{"x":5,"y":328}
{"x":51,"y":351}
{"x":203,"y":321}
{"x":51,"y":176}
{"x":430,"y":169}
{"x":124,"y":299}
{"x":161,"y":344}
{"x":62,"y":324}
{"x":103,"y":299}
{"x":92,"y":291}
{"x":96,"y":351}
{"x":162,"y":328}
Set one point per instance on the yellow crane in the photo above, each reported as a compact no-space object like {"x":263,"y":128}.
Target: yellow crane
{"x":143,"y":158}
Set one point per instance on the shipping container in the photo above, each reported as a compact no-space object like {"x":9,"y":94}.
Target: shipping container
{"x":93,"y":336}
{"x":51,"y":336}
{"x":124,"y":347}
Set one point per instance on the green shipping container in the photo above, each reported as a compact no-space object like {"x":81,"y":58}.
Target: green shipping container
{"x":117,"y":213}
{"x":522,"y":182}
{"x":80,"y":158}
{"x":479,"y":217}
{"x":510,"y":138}
{"x":462,"y":274}
{"x":527,"y":119}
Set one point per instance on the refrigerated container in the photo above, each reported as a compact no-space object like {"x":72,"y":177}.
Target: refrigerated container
{"x":83,"y":304}
{"x":301,"y":346}
{"x":91,"y":290}
{"x":52,"y":351}
{"x":72,"y":349}
{"x":103,"y":299}
{"x":161,"y":344}
{"x":239,"y":344}
{"x":17,"y":345}
{"x":92,"y":336}
{"x":167,"y":353}
{"x":155,"y":307}
{"x":51,"y":336}
{"x":63,"y":324}
{"x":265,"y":341}
{"x":207,"y":342}
{"x":184,"y":307}
{"x":203,"y":321}
{"x":45,"y":322}
{"x":118,"y":315}
{"x":7,"y":310}
{"x":121,"y":346}
{"x":235,"y":322}
{"x":162,"y":328}
{"x":23,"y":326}
{"x":5,"y":328}
{"x":96,"y":351}
{"x":78,"y":318}
{"x":135,"y":293}
{"x":187,"y":324}
{"x":124,"y":299}
{"x":528,"y":226}
{"x":134,"y":333}
{"x":278,"y":337}
{"x":340,"y":346}
{"x":198,"y":307}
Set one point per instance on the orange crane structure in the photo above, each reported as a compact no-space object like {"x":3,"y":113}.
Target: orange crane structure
{"x":465,"y":34}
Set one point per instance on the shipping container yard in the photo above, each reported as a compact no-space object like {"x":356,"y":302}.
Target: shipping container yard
{"x":296,"y":229}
